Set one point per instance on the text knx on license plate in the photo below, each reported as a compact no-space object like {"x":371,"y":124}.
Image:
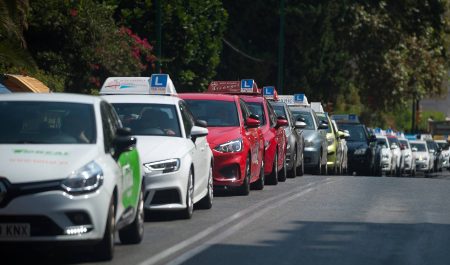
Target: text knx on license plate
{"x":14,"y":230}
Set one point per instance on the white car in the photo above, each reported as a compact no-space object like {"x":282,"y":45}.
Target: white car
{"x":69,"y":172}
{"x":387,"y":161}
{"x":424,"y":162}
{"x":397,"y":153}
{"x":176,"y":158}
{"x":443,"y":144}
{"x":408,"y":156}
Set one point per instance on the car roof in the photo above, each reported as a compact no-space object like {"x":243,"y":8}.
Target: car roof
{"x":417,"y":142}
{"x":208,"y":96}
{"x":57,"y":97}
{"x":155,"y":99}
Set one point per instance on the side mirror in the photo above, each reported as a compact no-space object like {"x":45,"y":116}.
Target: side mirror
{"x":341,"y":135}
{"x":124,"y":131}
{"x":394,"y":146}
{"x":281,"y":122}
{"x":414,"y":149}
{"x":198,"y":131}
{"x":301,"y":119}
{"x":123,"y":144}
{"x":201,"y":123}
{"x":254,"y":116}
{"x":300,"y":125}
{"x":402,"y":147}
{"x":252,"y":122}
{"x":323,"y":126}
{"x":372,"y":138}
{"x":431,"y":151}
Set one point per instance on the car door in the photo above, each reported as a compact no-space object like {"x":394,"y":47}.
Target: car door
{"x":280,"y":135}
{"x":252,"y":135}
{"x":197,"y":151}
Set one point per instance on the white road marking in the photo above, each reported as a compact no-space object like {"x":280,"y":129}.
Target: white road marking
{"x":256,"y":211}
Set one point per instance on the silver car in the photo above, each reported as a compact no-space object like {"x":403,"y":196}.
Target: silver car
{"x":314,"y":133}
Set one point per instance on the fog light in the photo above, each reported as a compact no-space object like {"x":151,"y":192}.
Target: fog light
{"x":77,"y":230}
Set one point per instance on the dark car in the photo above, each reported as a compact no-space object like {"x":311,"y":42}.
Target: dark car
{"x":434,"y":148}
{"x":361,"y":148}
{"x":295,"y":141}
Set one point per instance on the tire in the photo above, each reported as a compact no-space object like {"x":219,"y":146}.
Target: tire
{"x":134,"y":232}
{"x":301,"y":168}
{"x":259,"y":184}
{"x":244,"y":189}
{"x":273,"y":176}
{"x":283,"y":176}
{"x":187,"y":212}
{"x":292,"y":173}
{"x":318,"y":170}
{"x":104,"y":250}
{"x":207,"y":201}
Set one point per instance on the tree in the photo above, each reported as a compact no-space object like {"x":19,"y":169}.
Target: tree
{"x":191,"y":41}
{"x":80,"y":42}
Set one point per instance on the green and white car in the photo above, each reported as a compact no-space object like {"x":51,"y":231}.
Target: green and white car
{"x":68,"y":172}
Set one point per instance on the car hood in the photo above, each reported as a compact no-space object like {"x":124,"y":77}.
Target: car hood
{"x":310,"y":134}
{"x":157,"y":148}
{"x":31,"y":163}
{"x":356,"y":145}
{"x":422,"y":155}
{"x":220,"y":135}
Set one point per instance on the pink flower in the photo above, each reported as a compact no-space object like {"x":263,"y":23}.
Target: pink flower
{"x":73,"y":12}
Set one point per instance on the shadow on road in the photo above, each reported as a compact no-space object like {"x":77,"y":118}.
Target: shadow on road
{"x":315,"y":243}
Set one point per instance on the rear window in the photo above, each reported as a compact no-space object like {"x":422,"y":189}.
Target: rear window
{"x":215,"y":112}
{"x":41,"y":122}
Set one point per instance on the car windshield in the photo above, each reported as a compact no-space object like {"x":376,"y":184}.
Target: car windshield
{"x":404,"y":143}
{"x":216,"y":113}
{"x":393,"y":140}
{"x":324,"y":119}
{"x":357,"y":132}
{"x":306,"y":116}
{"x":419,"y":146}
{"x":382,"y":142}
{"x":431,"y":145}
{"x":257,"y":108}
{"x":443,"y":145}
{"x":42,"y":122}
{"x":279,"y":110}
{"x":149,"y":119}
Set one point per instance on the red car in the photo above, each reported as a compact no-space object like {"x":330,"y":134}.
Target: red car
{"x":272,"y":128}
{"x":235,"y":140}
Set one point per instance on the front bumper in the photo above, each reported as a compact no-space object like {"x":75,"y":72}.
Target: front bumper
{"x":359,"y":163}
{"x":422,"y":165}
{"x":311,"y":156}
{"x":166,"y":191}
{"x":229,"y":168}
{"x":50,"y":216}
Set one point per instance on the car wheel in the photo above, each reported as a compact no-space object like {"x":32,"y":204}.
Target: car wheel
{"x":292,"y":173}
{"x":187,"y":212}
{"x":259,"y":184}
{"x":134,"y":232}
{"x":273,"y":176}
{"x":283,"y":176}
{"x":319,"y":167}
{"x":207,"y":201}
{"x":301,"y":168}
{"x":244,"y":190}
{"x":104,"y":250}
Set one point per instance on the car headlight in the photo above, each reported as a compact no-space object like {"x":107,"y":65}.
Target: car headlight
{"x":360,"y":151}
{"x":230,"y":147}
{"x":309,"y":143}
{"x":330,"y":141}
{"x":165,"y":166}
{"x":86,"y":179}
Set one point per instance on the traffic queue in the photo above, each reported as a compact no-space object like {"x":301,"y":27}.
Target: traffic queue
{"x":78,"y":168}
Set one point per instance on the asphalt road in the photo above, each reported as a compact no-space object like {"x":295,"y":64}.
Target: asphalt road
{"x":308,"y":220}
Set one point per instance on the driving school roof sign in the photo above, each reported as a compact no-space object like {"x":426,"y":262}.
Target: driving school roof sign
{"x":157,"y":84}
{"x":243,"y":86}
{"x":296,"y":99}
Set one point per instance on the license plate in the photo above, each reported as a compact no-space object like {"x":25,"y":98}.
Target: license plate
{"x":11,"y":230}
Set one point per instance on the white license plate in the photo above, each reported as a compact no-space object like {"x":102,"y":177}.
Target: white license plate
{"x":17,"y":230}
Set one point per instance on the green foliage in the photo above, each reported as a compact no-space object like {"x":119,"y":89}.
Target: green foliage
{"x":191,"y":36}
{"x":79,"y":42}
